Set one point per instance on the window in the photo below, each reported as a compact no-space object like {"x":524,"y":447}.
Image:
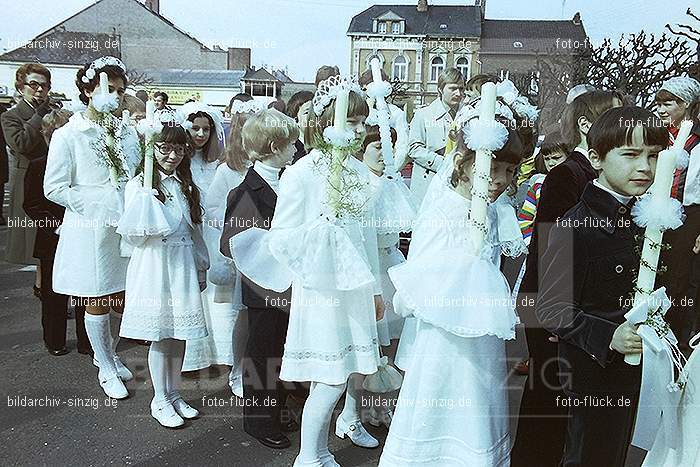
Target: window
{"x":400,"y":70}
{"x":382,"y":28}
{"x":437,"y":65}
{"x":518,"y":45}
{"x":396,"y":27}
{"x":462,"y":64}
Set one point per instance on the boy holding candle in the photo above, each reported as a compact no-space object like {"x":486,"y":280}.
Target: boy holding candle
{"x":588,"y":277}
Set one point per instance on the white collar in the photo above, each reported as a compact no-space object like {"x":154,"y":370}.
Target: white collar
{"x":267,"y":171}
{"x":582,"y":151}
{"x":622,"y":199}
{"x":164,"y":176}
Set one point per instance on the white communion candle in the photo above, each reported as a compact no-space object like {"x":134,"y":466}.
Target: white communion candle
{"x":376,"y":70}
{"x":482,"y":168}
{"x":341,"y":110}
{"x":148,"y":157}
{"x":126,"y":118}
{"x":150,"y":111}
{"x":104,"y":83}
{"x":660,"y":191}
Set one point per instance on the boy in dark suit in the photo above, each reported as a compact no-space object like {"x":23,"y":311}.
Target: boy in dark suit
{"x":268,"y":139}
{"x":588,"y":276}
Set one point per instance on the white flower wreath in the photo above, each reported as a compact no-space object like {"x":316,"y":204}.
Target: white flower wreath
{"x":328,"y":90}
{"x":100,"y":63}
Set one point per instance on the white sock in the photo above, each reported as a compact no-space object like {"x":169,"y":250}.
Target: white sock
{"x":316,"y":420}
{"x":97,"y":328}
{"x":157,"y":366}
{"x":176,"y":354}
{"x":353,"y":395}
{"x":115,"y":323}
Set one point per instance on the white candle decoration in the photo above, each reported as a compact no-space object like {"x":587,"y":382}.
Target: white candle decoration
{"x":653,"y":236}
{"x":104,"y":83}
{"x":341,"y":110}
{"x":148,"y":159}
{"x":376,"y":70}
{"x":384,"y":116}
{"x":482,"y":169}
{"x":126,"y":117}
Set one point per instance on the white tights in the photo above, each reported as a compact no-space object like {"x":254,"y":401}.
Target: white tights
{"x":316,"y":420}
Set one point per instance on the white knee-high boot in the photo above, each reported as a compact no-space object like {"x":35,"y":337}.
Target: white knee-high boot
{"x":315,"y":423}
{"x":97,"y":328}
{"x":176,"y":355}
{"x":349,"y":422}
{"x":161,"y":408}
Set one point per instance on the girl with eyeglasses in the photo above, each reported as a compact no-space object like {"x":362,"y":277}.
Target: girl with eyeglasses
{"x":167,"y":270}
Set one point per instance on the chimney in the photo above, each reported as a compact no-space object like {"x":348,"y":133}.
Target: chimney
{"x":481,"y":4}
{"x":153,"y":5}
{"x":577,"y":19}
{"x":238,"y":58}
{"x":422,"y":6}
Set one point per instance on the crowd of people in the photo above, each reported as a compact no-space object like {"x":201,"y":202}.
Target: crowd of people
{"x":266,"y":238}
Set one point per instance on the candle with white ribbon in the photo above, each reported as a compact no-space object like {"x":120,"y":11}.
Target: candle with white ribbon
{"x":340,"y":125}
{"x":104,"y":83}
{"x":482,"y":169}
{"x":148,"y":159}
{"x":384,"y":115}
{"x":126,"y":117}
{"x":660,"y":190}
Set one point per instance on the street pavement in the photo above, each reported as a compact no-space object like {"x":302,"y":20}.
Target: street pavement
{"x":76,"y":425}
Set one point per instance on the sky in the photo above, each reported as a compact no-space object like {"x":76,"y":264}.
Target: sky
{"x":304,"y":34}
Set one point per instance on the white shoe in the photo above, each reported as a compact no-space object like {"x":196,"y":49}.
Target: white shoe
{"x":313,"y":463}
{"x":112,"y":385}
{"x":377,"y":418}
{"x":124,"y":373}
{"x":328,"y":460}
{"x":182,"y":408}
{"x":164,"y":412}
{"x":356,"y":432}
{"x":122,"y":370}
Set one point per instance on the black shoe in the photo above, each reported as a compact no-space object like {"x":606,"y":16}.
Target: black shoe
{"x":37,"y":292}
{"x":279,"y":441}
{"x":58,"y":352}
{"x":290,"y":427}
{"x":85,"y":351}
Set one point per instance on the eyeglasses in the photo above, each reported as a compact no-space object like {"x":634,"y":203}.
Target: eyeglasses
{"x":166,"y":149}
{"x":36,"y":85}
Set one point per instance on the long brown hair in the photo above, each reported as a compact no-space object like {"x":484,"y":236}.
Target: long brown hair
{"x":357,"y":106}
{"x":175,"y":134}
{"x":234,"y":154}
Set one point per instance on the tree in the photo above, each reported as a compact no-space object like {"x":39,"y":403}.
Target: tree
{"x":138,"y":78}
{"x":692,"y":33}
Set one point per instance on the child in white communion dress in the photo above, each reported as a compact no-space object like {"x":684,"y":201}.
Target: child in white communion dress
{"x":167,"y":270}
{"x":453,"y":407}
{"x":329,"y":252}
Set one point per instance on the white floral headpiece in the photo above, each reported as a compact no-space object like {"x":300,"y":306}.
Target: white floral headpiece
{"x":196,"y":107}
{"x":507,"y":91}
{"x":99,"y":64}
{"x":240,"y":107}
{"x":328,"y":90}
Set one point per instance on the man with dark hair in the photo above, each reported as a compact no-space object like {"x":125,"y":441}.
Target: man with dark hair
{"x":143,"y":95}
{"x":429,"y":130}
{"x":161,"y":100}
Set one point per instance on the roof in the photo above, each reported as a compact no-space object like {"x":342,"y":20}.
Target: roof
{"x":461,"y":21}
{"x":141,"y":5}
{"x":282,"y":76}
{"x":261,"y":74}
{"x":206,"y":78}
{"x":499,"y":36}
{"x":51,"y":48}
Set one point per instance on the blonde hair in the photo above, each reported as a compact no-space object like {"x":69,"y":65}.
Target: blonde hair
{"x":52,"y":121}
{"x":234,"y":153}
{"x":267,"y":127}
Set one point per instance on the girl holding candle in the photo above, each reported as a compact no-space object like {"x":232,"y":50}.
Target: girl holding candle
{"x":207,"y":134}
{"x":462,"y":313}
{"x":322,"y":235}
{"x":587,"y":285}
{"x":167,"y":270}
{"x":85,"y":172}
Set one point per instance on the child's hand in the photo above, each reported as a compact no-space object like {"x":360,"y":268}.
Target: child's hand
{"x":696,"y":248}
{"x":378,"y":307}
{"x":626,"y":340}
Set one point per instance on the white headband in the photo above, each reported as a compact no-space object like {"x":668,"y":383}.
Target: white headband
{"x":328,"y":90}
{"x":99,"y":64}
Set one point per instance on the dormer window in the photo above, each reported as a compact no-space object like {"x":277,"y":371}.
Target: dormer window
{"x":396,"y":27}
{"x":518,"y":45}
{"x":443,"y":26}
{"x":382,"y":28}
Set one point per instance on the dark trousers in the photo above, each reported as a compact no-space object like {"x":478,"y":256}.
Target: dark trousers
{"x":598,"y":435}
{"x":542,"y":420}
{"x":678,"y":277}
{"x":263,"y":391}
{"x":54,"y":312}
